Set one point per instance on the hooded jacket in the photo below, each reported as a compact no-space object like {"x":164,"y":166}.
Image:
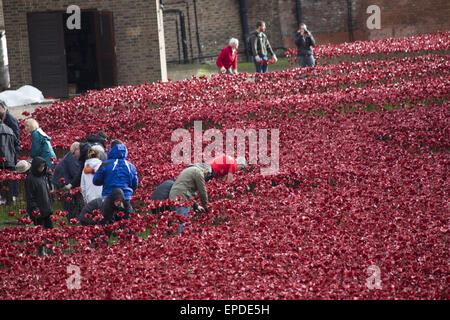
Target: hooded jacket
{"x":7,"y":146}
{"x":37,"y":189}
{"x":117,"y":172}
{"x":41,"y":147}
{"x":89,"y":190}
{"x":106,"y":207}
{"x":189,"y":183}
{"x":68,"y":169}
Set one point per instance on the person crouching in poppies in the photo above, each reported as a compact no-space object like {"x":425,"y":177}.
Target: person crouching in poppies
{"x":225,"y":167}
{"x":227,"y":60}
{"x":189,"y":184}
{"x":108,"y":207}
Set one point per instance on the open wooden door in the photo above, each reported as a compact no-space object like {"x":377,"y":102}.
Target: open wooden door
{"x":48,"y":57}
{"x":106,"y":49}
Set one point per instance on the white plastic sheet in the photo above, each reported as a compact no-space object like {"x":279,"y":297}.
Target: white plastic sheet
{"x":21,"y":97}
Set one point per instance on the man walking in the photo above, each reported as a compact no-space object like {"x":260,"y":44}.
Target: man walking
{"x":260,"y":48}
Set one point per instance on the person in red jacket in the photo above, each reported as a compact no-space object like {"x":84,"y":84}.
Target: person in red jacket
{"x":227,"y":60}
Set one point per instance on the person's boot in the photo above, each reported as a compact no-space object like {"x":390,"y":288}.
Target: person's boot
{"x":40,"y":251}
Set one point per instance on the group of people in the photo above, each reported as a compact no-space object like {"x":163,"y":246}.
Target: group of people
{"x":192,"y":182}
{"x":106,"y":178}
{"x":259,"y":48}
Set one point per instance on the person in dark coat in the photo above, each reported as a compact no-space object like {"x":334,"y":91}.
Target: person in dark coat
{"x":66,"y":171}
{"x":261,"y":48}
{"x":11,"y":122}
{"x":37,"y":188}
{"x":162,"y":193}
{"x":8,"y":157}
{"x":304,"y":41}
{"x":76,"y":204}
{"x":67,"y":168}
{"x":100,"y":138}
{"x":109,"y":207}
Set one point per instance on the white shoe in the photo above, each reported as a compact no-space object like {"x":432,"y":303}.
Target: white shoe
{"x":2,"y":202}
{"x":14,"y":199}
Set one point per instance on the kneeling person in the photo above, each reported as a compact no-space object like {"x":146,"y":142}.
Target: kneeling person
{"x":189,"y":183}
{"x":109,"y":207}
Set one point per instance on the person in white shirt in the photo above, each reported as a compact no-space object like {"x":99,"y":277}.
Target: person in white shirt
{"x":88,"y":189}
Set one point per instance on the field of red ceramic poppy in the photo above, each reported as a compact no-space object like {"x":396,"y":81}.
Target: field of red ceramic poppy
{"x":364,"y":160}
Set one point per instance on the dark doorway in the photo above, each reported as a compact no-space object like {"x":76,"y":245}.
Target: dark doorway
{"x":81,"y":54}
{"x":48,"y":61}
{"x":65,"y":61}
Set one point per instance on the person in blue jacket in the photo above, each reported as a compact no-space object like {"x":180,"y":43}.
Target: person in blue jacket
{"x":40,"y":143}
{"x":117,"y":172}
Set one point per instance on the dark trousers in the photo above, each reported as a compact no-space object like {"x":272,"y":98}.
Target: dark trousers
{"x":46,"y":222}
{"x":74,"y":206}
{"x":10,"y":188}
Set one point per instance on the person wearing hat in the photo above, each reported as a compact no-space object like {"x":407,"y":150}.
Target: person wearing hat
{"x":224,"y":167}
{"x":189,"y":184}
{"x":23,"y":167}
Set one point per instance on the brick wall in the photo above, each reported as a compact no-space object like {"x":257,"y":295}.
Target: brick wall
{"x":403,"y":18}
{"x":138,"y":54}
{"x":327,"y":19}
{"x":136,"y":37}
{"x":217,"y":23}
{"x":2,"y":19}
